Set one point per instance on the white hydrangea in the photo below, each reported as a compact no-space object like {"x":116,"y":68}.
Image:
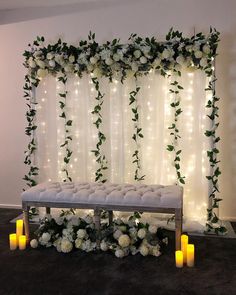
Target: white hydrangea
{"x":142,"y":233}
{"x":67,"y":234}
{"x":137,"y":53}
{"x":152,"y":229}
{"x":68,"y":68}
{"x":143,"y":250}
{"x":97,"y":72}
{"x":66,"y":246}
{"x":81,"y":233}
{"x":180,"y":60}
{"x":203,"y":62}
{"x":78,"y":243}
{"x":166,"y":54}
{"x":198,"y":54}
{"x":119,"y":253}
{"x":34,"y":243}
{"x":103,"y":246}
{"x":143,"y":60}
{"x":124,"y":241}
{"x":117,"y":234}
{"x":134,"y":66}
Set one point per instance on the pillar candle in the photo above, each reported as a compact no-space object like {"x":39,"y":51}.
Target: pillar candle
{"x":13,"y":241}
{"x":22,"y":242}
{"x":190,"y":255}
{"x":179,"y":258}
{"x":19,"y":228}
{"x":184,"y":243}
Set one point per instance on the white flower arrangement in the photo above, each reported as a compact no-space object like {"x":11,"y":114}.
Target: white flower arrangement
{"x":122,"y":237}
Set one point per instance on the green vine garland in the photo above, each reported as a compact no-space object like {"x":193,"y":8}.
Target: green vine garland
{"x":100,"y":157}
{"x":68,"y":124}
{"x":114,"y":59}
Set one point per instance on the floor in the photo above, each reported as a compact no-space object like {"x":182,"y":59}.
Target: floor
{"x":44,"y":271}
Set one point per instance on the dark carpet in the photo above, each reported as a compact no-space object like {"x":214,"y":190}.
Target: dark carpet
{"x":44,"y":271}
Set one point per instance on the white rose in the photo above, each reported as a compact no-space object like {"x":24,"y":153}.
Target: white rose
{"x":156,"y":252}
{"x":41,"y":73}
{"x":116,"y":57}
{"x":198,"y":54}
{"x":81,"y":233}
{"x":34,"y":243}
{"x":134,"y":66}
{"x":97,"y":73}
{"x":68,"y":68}
{"x":32,"y":63}
{"x":66,"y":246}
{"x":166,"y":54}
{"x":206,"y":49}
{"x":90,"y":67}
{"x":109,"y":61}
{"x":141,"y":233}
{"x":103,"y":246}
{"x":180,"y":60}
{"x":203,"y":62}
{"x":124,"y":241}
{"x":143,"y":60}
{"x":57,"y":242}
{"x":45,"y":237}
{"x":137,"y":53}
{"x":143,"y":250}
{"x":71,"y":58}
{"x":41,"y":64}
{"x":78,"y":243}
{"x":93,"y":60}
{"x":50,"y":55}
{"x":117,"y":234}
{"x":133,"y":232}
{"x":52,"y":63}
{"x":119,"y":253}
{"x":152,"y":229}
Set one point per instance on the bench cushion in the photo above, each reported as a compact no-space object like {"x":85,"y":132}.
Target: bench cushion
{"x":108,"y":194}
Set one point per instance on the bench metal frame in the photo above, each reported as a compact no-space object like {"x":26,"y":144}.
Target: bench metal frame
{"x":97,"y":209}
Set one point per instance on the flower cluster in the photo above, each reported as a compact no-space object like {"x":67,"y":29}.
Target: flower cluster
{"x":70,"y":232}
{"x":114,"y":59}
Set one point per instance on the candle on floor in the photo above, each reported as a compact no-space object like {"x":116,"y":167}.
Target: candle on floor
{"x":179,"y":258}
{"x":184,"y":243}
{"x":22,"y":242}
{"x":190,"y":255}
{"x":19,"y":228}
{"x":13,"y":241}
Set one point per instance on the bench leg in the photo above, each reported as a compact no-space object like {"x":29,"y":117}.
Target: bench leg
{"x":110,"y":212}
{"x":178,"y":228}
{"x":26,"y":222}
{"x":97,"y":221}
{"x":48,"y":210}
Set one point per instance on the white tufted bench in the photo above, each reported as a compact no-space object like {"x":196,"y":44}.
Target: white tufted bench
{"x":98,"y":196}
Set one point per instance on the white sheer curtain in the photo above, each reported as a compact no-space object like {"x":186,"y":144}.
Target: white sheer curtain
{"x":156,"y":116}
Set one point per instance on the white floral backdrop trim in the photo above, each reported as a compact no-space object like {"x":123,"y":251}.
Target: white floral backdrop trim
{"x":120,"y":61}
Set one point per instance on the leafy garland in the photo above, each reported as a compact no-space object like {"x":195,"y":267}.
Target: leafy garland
{"x":175,"y":88}
{"x":114,"y":59}
{"x":68,"y":125}
{"x":100,"y":157}
{"x":137,"y":132}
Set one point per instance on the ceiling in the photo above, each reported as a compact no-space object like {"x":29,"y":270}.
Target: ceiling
{"x":16,"y":4}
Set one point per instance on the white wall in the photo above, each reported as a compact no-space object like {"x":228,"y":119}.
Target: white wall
{"x":110,"y":19}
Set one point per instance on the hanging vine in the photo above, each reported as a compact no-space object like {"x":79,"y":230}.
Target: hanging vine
{"x":137,"y":133}
{"x":100,"y":156}
{"x":30,"y":177}
{"x":213,"y":222}
{"x":68,"y":124}
{"x":175,"y":89}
